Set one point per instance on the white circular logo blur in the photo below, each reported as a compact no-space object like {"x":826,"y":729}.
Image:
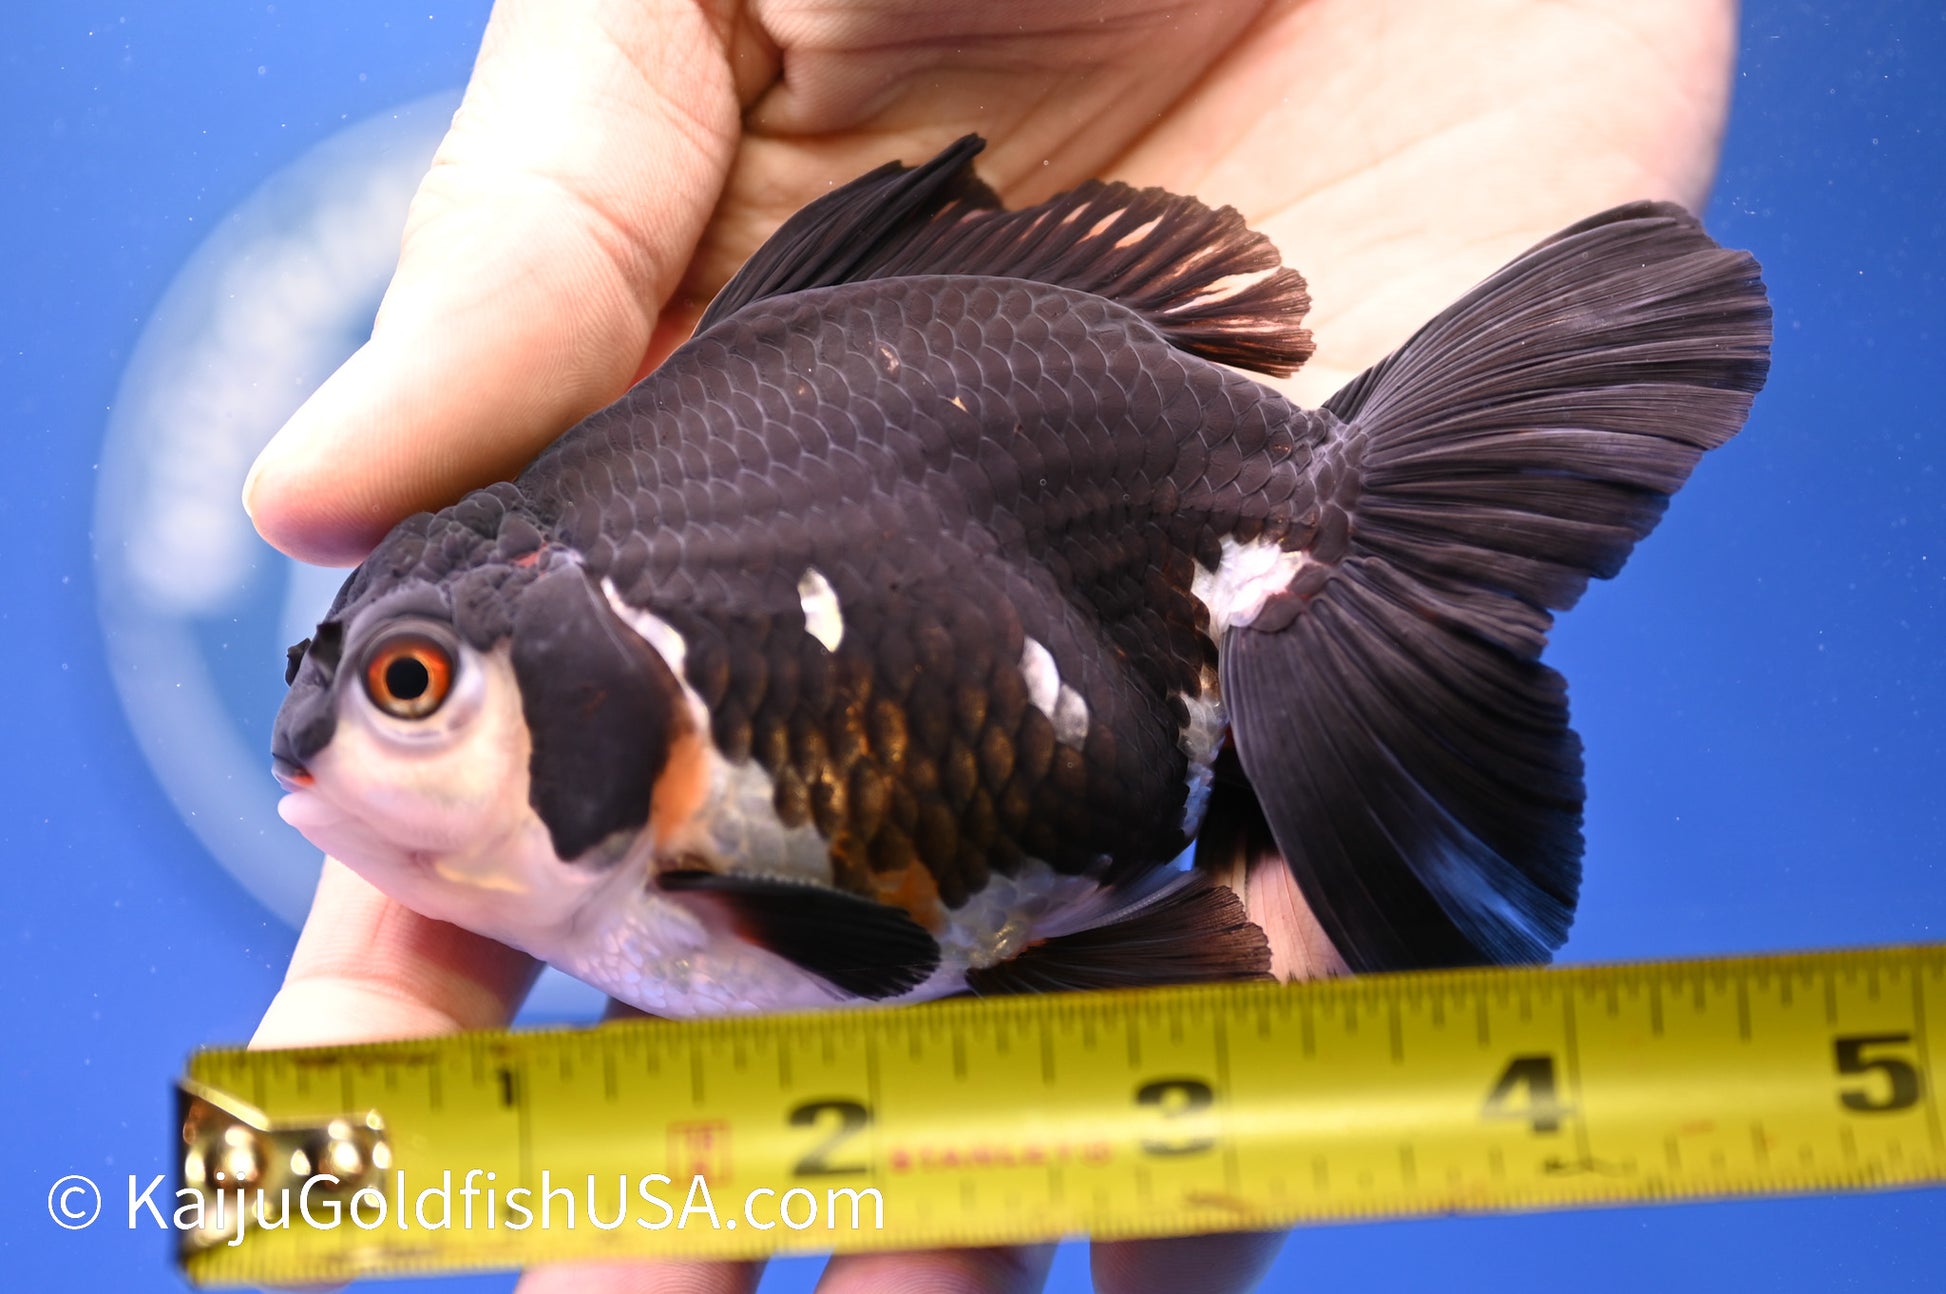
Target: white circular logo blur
{"x":197,"y":610}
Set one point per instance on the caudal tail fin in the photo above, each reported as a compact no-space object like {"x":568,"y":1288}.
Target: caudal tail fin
{"x":1409,"y":751}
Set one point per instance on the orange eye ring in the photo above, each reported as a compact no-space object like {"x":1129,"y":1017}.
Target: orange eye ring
{"x":409,"y":675}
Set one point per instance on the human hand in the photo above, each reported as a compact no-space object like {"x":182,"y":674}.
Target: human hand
{"x":615,"y":160}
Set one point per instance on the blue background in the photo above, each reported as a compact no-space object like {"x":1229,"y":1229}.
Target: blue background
{"x":1761,"y":694}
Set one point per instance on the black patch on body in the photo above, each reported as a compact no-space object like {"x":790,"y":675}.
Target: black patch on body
{"x":294,"y":657}
{"x":601,"y":708}
{"x":867,"y":949}
{"x":309,"y":715}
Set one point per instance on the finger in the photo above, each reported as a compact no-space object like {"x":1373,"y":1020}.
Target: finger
{"x":558,"y":215}
{"x":1216,"y":1264}
{"x":1011,"y":1269}
{"x":642,"y":1278}
{"x":366,"y":968}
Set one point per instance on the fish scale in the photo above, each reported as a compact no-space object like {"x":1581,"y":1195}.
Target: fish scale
{"x":942,"y":430}
{"x":892,"y":637}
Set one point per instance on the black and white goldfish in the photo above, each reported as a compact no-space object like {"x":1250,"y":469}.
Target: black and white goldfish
{"x":895,"y":635}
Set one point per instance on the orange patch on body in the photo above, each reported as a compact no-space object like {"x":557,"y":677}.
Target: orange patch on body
{"x":682,"y":787}
{"x":913,"y":889}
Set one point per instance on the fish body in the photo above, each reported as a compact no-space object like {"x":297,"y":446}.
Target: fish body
{"x":895,"y":635}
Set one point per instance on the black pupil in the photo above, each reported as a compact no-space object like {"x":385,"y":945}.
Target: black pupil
{"x":406,"y":678}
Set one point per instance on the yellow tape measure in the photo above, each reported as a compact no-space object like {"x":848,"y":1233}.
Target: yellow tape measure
{"x":1113,"y":1114}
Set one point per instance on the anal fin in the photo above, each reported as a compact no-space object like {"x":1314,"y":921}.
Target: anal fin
{"x":1237,"y":849}
{"x":1197,"y":931}
{"x":867,"y":949}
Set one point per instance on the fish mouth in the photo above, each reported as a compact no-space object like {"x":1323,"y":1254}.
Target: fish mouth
{"x":290,"y":774}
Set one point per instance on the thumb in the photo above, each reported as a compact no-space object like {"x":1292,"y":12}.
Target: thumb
{"x":558,"y":216}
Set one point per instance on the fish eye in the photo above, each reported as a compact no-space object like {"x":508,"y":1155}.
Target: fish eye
{"x":409,"y":673}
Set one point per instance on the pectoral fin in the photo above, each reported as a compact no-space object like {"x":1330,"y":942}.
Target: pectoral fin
{"x":867,"y":949}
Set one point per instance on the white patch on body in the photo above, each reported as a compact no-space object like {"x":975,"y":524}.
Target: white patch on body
{"x":822,"y":619}
{"x":1043,"y":679}
{"x":1070,"y":717}
{"x":1064,"y":707}
{"x":1246,"y":577}
{"x":1201,"y":739}
{"x":738,"y":829}
{"x":658,"y":633}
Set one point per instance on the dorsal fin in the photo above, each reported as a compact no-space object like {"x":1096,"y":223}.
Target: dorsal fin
{"x":1204,"y":279}
{"x":835,"y":238}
